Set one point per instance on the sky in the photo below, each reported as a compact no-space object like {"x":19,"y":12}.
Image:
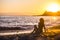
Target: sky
{"x":24,"y":7}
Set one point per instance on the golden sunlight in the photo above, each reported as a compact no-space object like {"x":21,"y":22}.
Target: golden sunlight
{"x":54,"y":7}
{"x":54,"y":18}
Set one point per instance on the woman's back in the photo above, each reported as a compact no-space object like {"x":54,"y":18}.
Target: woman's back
{"x":41,"y":25}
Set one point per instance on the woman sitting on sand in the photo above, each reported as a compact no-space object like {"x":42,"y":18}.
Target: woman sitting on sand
{"x":39,"y":30}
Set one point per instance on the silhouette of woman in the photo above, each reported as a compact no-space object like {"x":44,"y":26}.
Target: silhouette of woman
{"x":38,"y":30}
{"x":41,"y":26}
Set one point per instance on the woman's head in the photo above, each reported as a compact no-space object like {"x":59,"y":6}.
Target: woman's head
{"x":41,"y":20}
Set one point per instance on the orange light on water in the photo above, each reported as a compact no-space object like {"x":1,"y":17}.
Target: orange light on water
{"x":54,"y":19}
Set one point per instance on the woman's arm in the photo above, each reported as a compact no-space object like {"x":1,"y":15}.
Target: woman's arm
{"x":44,"y":28}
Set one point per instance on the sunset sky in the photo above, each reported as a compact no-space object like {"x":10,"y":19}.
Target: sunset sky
{"x":24,"y":7}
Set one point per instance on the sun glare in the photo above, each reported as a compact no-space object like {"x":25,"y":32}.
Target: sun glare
{"x":53,"y":7}
{"x":54,"y":19}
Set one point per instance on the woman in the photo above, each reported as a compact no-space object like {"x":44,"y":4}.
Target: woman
{"x":41,"y":26}
{"x":39,"y":30}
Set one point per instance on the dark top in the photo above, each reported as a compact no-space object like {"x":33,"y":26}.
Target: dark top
{"x":40,"y":27}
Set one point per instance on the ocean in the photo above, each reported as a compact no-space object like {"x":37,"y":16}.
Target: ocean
{"x":19,"y":21}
